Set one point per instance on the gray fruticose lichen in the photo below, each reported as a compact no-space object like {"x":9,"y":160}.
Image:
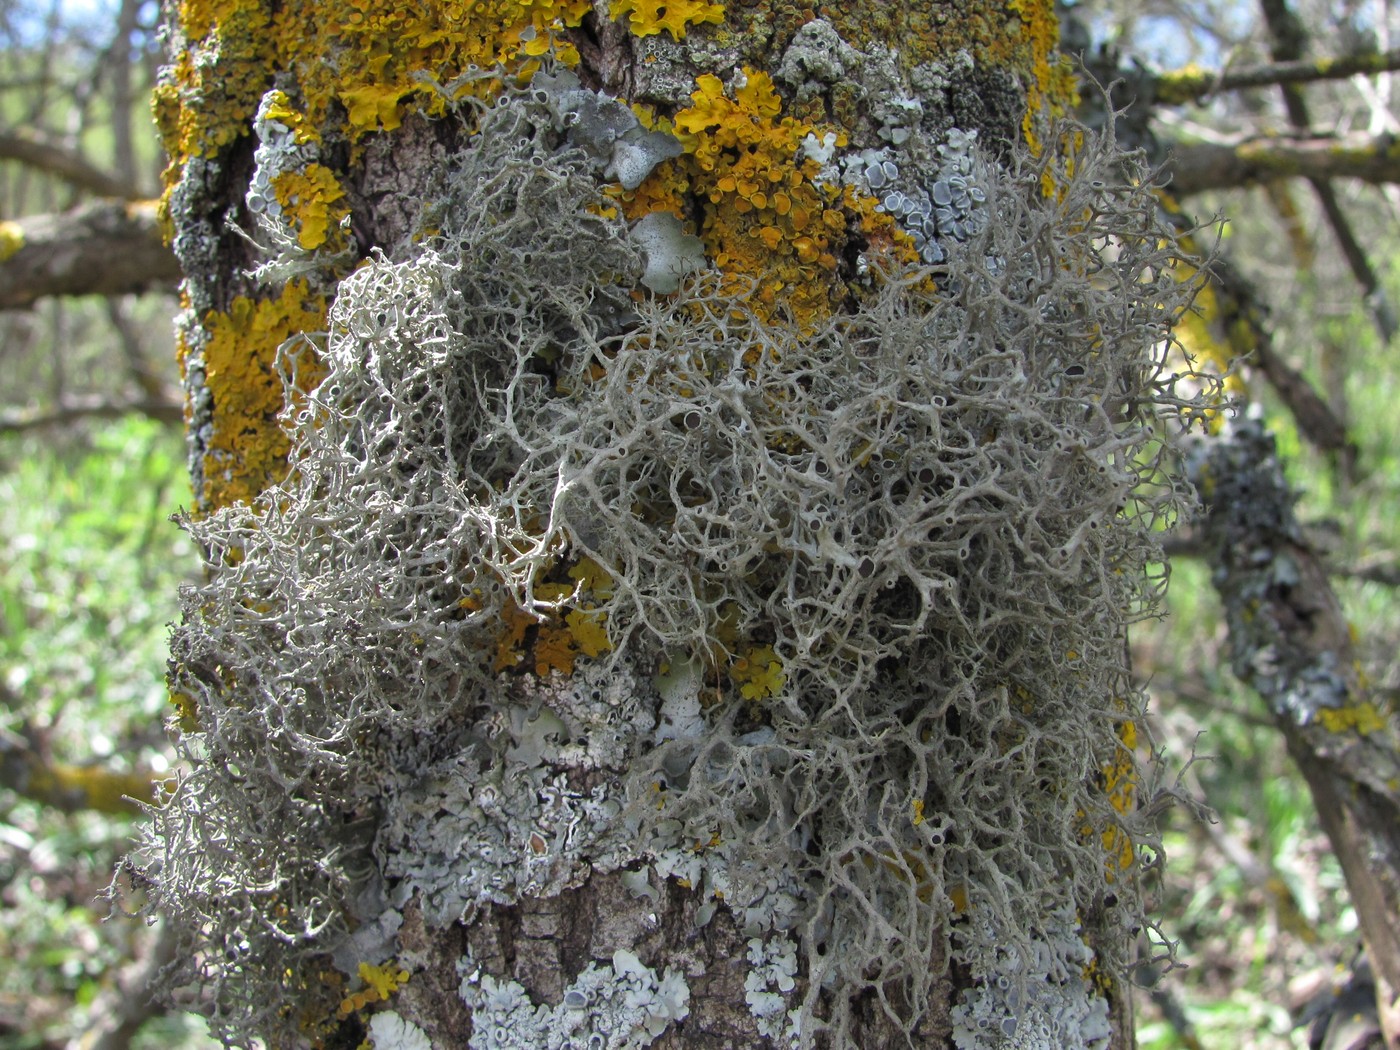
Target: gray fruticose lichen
{"x":933,"y":511}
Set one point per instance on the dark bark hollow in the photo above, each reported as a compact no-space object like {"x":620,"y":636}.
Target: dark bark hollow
{"x":674,"y":483}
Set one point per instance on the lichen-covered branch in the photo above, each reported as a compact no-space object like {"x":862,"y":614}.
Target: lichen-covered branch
{"x":1290,"y":641}
{"x":101,"y":248}
{"x":1191,"y":83}
{"x":28,"y":771}
{"x":1197,"y":167}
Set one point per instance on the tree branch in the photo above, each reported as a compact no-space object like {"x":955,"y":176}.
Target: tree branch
{"x":132,"y":999}
{"x":1291,"y":642}
{"x":25,"y":770}
{"x":166,"y":409}
{"x":102,"y":248}
{"x":26,"y":147}
{"x":1180,"y":86}
{"x":1200,"y":166}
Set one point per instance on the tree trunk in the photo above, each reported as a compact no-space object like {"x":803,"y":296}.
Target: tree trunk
{"x":674,"y":480}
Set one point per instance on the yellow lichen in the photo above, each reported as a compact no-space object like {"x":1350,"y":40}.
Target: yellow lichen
{"x":380,"y":982}
{"x":1050,"y":91}
{"x":758,"y":673}
{"x":1120,"y":786}
{"x":247,"y":449}
{"x":650,"y":17}
{"x":766,"y":222}
{"x":353,"y":62}
{"x":589,"y":630}
{"x":1362,"y":718}
{"x":11,"y":239}
{"x":280,"y":109}
{"x":561,"y":636}
{"x":313,"y":199}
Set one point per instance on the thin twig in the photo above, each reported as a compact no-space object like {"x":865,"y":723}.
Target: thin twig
{"x":72,"y":409}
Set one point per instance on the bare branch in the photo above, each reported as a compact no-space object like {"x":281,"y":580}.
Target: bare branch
{"x":165,"y":409}
{"x":1179,"y":86}
{"x":26,"y":147}
{"x":1384,"y":570}
{"x":132,"y":1000}
{"x":102,"y":248}
{"x":1198,"y":167}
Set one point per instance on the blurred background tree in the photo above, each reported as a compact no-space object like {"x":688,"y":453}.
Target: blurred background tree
{"x":92,"y":465}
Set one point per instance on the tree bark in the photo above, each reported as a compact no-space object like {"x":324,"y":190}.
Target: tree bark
{"x":675,"y":481}
{"x":1291,"y":642}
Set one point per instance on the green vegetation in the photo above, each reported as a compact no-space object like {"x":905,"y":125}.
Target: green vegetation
{"x":90,"y":567}
{"x":1261,"y":941}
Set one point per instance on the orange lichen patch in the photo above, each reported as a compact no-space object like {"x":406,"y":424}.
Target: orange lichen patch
{"x":766,"y":222}
{"x":247,"y":449}
{"x":561,"y":636}
{"x":511,"y":645}
{"x":1050,"y":91}
{"x":313,"y":199}
{"x":650,"y":17}
{"x":1362,"y":718}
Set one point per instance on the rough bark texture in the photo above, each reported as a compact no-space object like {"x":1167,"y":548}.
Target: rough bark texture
{"x":684,"y":624}
{"x":1291,"y":642}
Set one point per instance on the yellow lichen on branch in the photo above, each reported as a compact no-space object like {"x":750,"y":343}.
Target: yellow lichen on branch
{"x":354,"y":61}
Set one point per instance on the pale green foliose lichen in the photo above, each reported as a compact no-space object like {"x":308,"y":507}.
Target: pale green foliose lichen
{"x":625,"y":1006}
